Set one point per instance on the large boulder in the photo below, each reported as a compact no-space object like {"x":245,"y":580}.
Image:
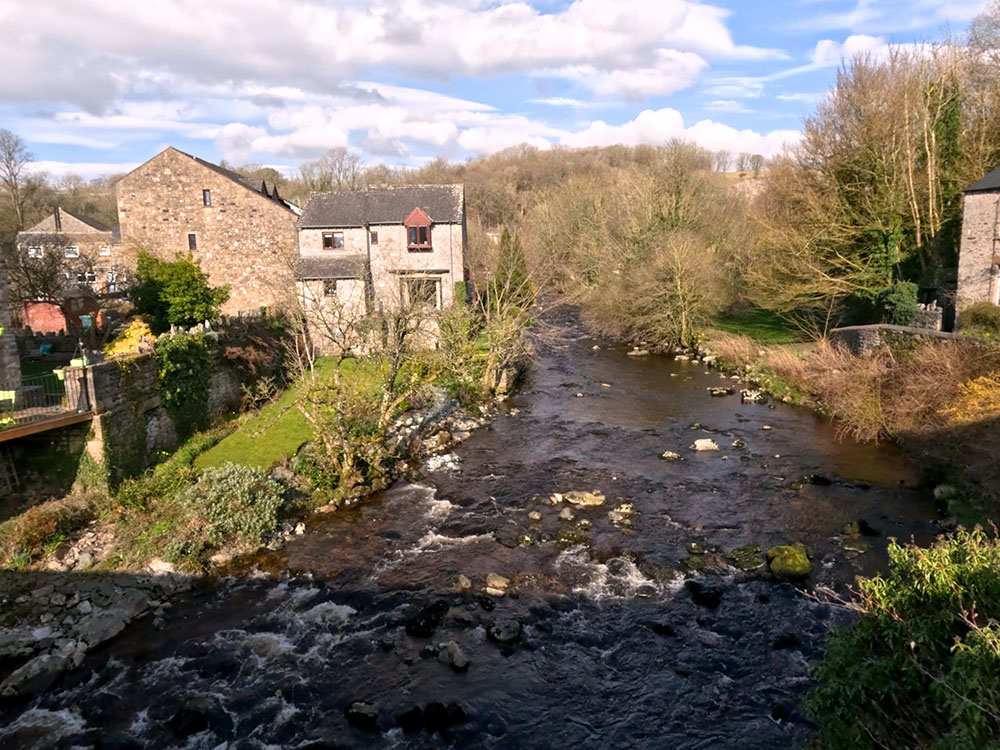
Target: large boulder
{"x":790,"y":562}
{"x":704,"y":444}
{"x":585,"y":499}
{"x":426,"y":621}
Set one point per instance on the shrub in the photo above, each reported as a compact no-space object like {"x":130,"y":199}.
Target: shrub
{"x":981,"y":318}
{"x":736,"y":350}
{"x":128,"y":340}
{"x":976,"y":401}
{"x":922,"y":666}
{"x":185,"y":374}
{"x":26,"y":536}
{"x":898,"y":303}
{"x":175,"y":293}
{"x":237,"y":504}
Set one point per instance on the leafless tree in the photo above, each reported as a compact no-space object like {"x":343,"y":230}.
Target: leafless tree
{"x":337,"y":169}
{"x":14,"y":159}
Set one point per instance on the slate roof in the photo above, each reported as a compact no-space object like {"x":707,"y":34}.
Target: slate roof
{"x":55,"y":223}
{"x":986,"y":184}
{"x":444,"y":204}
{"x":341,"y":267}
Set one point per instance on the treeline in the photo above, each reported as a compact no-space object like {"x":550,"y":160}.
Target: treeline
{"x":848,"y":226}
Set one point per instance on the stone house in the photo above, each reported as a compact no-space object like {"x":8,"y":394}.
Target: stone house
{"x":10,"y":363}
{"x":243,"y":234}
{"x":88,"y":256}
{"x":374,"y":250}
{"x":979,"y":253}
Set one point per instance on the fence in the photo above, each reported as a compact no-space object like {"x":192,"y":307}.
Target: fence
{"x":45,"y":396}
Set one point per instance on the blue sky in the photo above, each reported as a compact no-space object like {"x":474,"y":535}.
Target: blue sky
{"x":98,"y":86}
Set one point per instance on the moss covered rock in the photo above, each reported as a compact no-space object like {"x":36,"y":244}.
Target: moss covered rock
{"x":789,"y":562}
{"x":747,"y":558}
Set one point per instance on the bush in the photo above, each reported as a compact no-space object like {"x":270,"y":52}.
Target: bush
{"x":128,"y":340}
{"x":175,"y":293}
{"x":185,"y":375}
{"x":980,"y":318}
{"x":922,"y":666}
{"x":237,"y":504}
{"x":898,"y":303}
{"x":27,"y":536}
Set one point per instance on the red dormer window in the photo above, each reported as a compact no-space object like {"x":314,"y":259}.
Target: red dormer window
{"x":418,"y":231}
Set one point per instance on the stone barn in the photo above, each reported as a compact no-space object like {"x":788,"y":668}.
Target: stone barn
{"x":979,"y":253}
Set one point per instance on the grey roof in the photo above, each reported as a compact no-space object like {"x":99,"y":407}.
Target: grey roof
{"x":986,"y":184}
{"x":443,"y":204}
{"x":336,"y":267}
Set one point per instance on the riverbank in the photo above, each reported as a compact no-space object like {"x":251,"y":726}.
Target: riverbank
{"x":938,"y":400}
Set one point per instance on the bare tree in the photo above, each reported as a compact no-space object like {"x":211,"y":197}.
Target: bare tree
{"x":721,"y":160}
{"x":337,"y":169}
{"x":756,"y":163}
{"x":14,"y":159}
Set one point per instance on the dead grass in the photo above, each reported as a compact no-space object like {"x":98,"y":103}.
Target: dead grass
{"x":736,"y":350}
{"x":43,"y":527}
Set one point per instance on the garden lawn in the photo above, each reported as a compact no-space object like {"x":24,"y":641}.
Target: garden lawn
{"x":279,"y":430}
{"x":763,"y":326}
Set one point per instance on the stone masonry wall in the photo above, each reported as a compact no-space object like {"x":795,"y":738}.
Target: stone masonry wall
{"x":131,"y":426}
{"x":977,"y":279}
{"x":243,"y":239}
{"x":10,"y":362}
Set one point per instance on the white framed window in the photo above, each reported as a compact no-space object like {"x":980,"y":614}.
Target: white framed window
{"x":105,"y":251}
{"x":71,"y":251}
{"x":333,"y":240}
{"x":34,"y":252}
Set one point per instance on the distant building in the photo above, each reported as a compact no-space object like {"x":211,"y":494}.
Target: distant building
{"x":81,"y":254}
{"x":374,"y":250}
{"x":89,"y":251}
{"x":979,"y":253}
{"x":243,"y":234}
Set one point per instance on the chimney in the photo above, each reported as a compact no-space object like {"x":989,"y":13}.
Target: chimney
{"x":58,"y":218}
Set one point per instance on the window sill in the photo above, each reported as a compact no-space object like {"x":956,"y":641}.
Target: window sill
{"x":419,"y":249}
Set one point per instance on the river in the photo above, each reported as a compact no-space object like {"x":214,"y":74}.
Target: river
{"x":601,"y":644}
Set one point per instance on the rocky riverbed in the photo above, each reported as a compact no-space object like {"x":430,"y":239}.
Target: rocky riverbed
{"x":574,"y":574}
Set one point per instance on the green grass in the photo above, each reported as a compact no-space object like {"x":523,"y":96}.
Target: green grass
{"x":279,"y":430}
{"x":762,"y":326}
{"x":31,"y":369}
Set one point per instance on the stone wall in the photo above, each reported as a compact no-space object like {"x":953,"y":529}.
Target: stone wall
{"x":978,"y":277}
{"x":863,"y":339}
{"x":930,"y":316}
{"x":243,"y":239}
{"x":10,"y":362}
{"x":131,"y":426}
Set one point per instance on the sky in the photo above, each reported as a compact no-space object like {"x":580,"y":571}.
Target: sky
{"x":96,"y":87}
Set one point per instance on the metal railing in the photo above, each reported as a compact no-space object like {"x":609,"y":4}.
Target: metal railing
{"x":41,"y":397}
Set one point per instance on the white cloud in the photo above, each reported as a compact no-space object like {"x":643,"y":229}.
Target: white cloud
{"x":829,"y":52}
{"x":87,"y":170}
{"x":92,"y":53}
{"x":727,"y":105}
{"x":659,"y":126}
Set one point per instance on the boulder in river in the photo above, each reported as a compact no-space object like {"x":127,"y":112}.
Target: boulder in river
{"x":361,"y":715}
{"x":451,"y":653}
{"x":790,"y":562}
{"x":704,"y":594}
{"x":748,"y":557}
{"x":496,"y":585}
{"x":411,"y":720}
{"x":670,"y":456}
{"x":34,"y":676}
{"x":426,"y":621}
{"x":584,"y":499}
{"x":504,"y":631}
{"x":858,"y":528}
{"x":704,"y":444}
{"x":717,"y":392}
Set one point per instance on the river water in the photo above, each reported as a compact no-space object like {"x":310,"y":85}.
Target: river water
{"x":613,"y":651}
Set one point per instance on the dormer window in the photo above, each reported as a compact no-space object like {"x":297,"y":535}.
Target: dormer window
{"x":418,"y":231}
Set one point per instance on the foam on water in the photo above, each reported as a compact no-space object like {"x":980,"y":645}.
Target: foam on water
{"x":42,"y":728}
{"x":618,"y":578}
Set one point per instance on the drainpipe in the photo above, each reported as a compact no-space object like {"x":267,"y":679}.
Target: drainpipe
{"x":369,"y":282}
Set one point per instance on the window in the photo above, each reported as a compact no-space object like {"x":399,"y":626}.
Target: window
{"x":206,"y":197}
{"x":374,"y":238}
{"x":418,"y":231}
{"x":192,"y":242}
{"x":421,"y":292}
{"x":105,"y":250}
{"x":88,"y":277}
{"x":333,"y":240}
{"x":72,"y":252}
{"x":329,"y":287}
{"x":34,"y":252}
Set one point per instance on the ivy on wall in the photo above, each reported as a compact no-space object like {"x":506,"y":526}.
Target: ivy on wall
{"x":183,"y":380}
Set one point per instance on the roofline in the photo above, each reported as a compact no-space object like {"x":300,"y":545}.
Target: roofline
{"x":368,"y":224}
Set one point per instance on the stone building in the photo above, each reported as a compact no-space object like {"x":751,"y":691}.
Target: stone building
{"x":81,"y":254}
{"x":243,"y":234}
{"x":90,"y":252}
{"x":979,"y":253}
{"x":376,"y":249}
